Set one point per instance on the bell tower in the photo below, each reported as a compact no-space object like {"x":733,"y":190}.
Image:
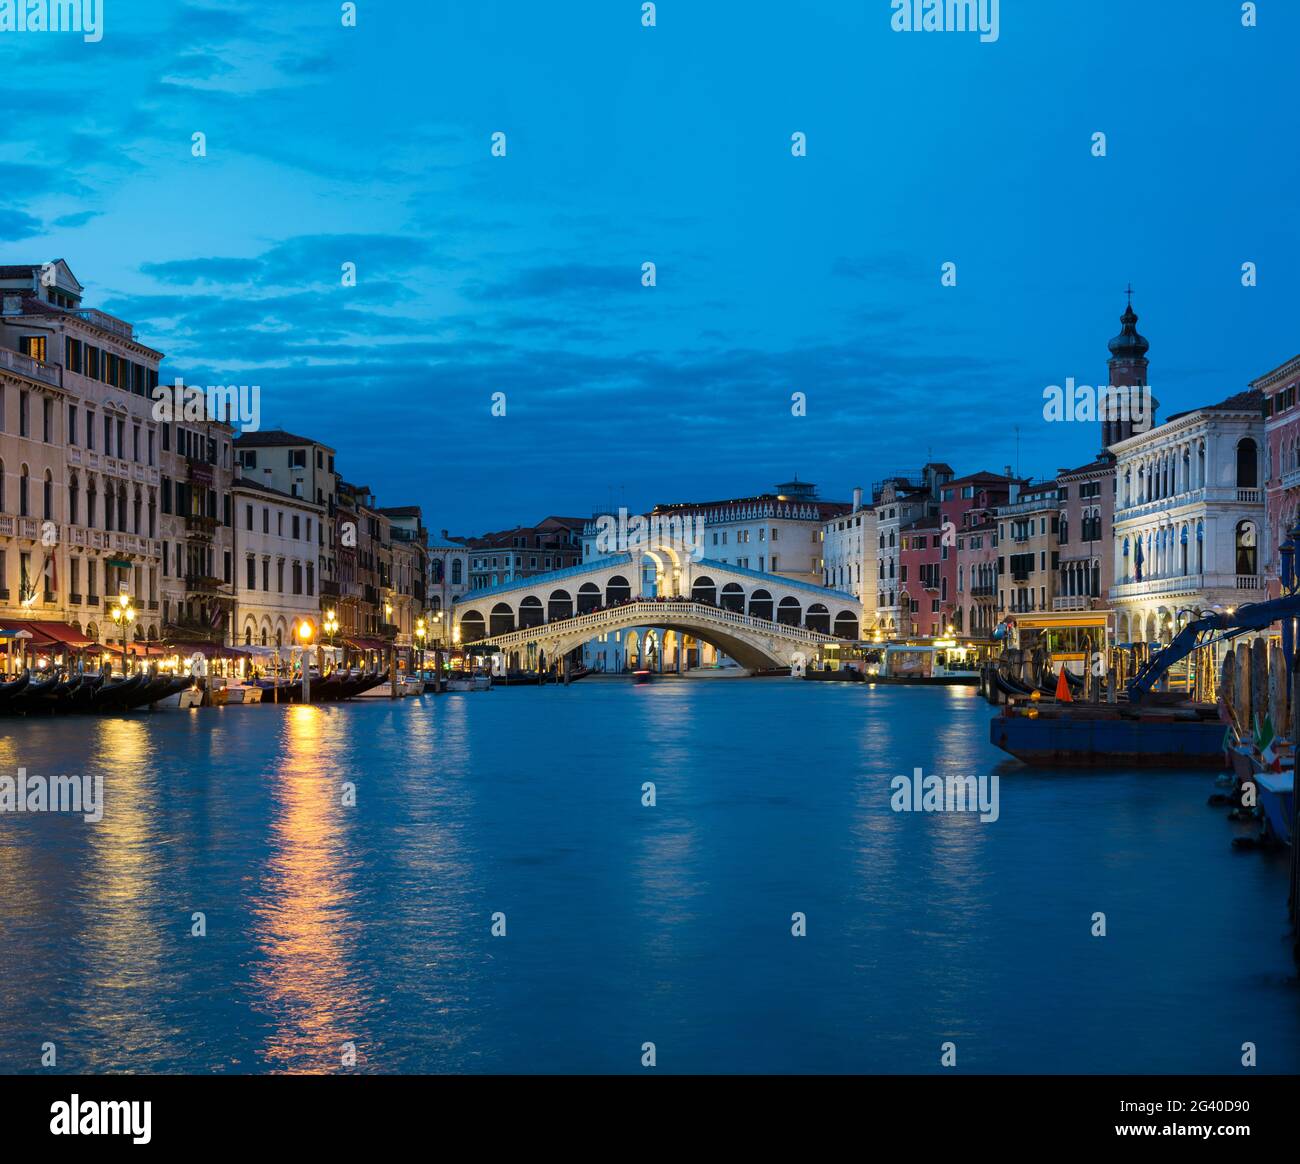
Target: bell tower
{"x":1127,"y":370}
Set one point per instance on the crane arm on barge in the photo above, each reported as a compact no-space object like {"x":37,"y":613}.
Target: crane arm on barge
{"x":1209,"y":629}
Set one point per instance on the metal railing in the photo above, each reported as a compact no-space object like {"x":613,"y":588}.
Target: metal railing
{"x":652,"y":613}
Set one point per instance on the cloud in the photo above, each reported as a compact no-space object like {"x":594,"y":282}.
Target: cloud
{"x":16,"y":225}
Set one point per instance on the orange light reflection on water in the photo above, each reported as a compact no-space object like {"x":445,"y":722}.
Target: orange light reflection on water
{"x":303,"y":926}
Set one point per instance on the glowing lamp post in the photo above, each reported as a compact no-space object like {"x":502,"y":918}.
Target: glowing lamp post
{"x":123,"y":614}
{"x":304,"y":633}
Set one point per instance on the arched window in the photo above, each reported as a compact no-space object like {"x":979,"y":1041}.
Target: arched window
{"x":23,"y":484}
{"x":74,"y":500}
{"x":1247,"y":548}
{"x":1247,"y":464}
{"x":47,"y":496}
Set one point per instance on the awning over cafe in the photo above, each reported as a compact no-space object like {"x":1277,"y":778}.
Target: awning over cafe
{"x":46,"y":634}
{"x":207,"y":650}
{"x":368,"y":644}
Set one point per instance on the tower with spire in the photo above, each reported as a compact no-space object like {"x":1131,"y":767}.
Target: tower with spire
{"x":1128,"y":370}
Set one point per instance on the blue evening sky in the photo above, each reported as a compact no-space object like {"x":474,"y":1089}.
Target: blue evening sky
{"x":625,"y":144}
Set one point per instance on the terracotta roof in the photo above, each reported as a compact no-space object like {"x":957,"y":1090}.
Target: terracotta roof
{"x":271,"y":438}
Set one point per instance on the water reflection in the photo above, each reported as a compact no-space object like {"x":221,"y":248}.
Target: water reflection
{"x":124,"y":939}
{"x":303,"y":925}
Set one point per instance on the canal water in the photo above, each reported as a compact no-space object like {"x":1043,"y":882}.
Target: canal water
{"x":330,"y":924}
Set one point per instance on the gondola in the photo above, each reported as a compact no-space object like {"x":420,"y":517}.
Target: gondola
{"x":116,"y":695}
{"x":1011,"y":688}
{"x":84,"y":697}
{"x":327,"y":690}
{"x":38,"y":698}
{"x":13,"y":688}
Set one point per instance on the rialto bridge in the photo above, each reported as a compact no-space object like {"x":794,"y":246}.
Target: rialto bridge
{"x":760,"y":620}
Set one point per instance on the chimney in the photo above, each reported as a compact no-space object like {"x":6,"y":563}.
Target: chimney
{"x":857,"y":499}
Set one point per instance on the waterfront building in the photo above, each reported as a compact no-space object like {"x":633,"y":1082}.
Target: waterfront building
{"x":849,"y":555}
{"x":899,"y":501}
{"x":276,"y":538}
{"x":975,"y":612}
{"x":775,"y":533}
{"x":920,"y":581}
{"x":408,"y":585}
{"x":1028,"y":527}
{"x":303,"y":468}
{"x":964,"y":503}
{"x":1189,"y":518}
{"x":1086,"y":496}
{"x":363,"y":563}
{"x":1282,"y":473}
{"x":79,"y":459}
{"x":554,"y":543}
{"x":449,"y":575}
{"x":197,"y":528}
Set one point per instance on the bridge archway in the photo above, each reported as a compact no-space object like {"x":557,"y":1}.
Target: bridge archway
{"x":733,"y":597}
{"x":789,"y":612}
{"x":530,"y":612}
{"x":502,"y":620}
{"x":617,"y":590}
{"x":818,"y":618}
{"x":559,"y":605}
{"x":760,"y":605}
{"x":588,"y":597}
{"x":472,"y":626}
{"x":704,"y":589}
{"x":846,"y":626}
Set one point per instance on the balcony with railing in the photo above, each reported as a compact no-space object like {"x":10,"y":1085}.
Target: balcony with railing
{"x":1187,"y":584}
{"x":197,"y":523}
{"x":206,"y":584}
{"x":1072,"y":602}
{"x":31,"y":367}
{"x":105,"y":322}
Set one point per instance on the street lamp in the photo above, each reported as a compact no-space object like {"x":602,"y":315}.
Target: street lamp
{"x":123,"y":614}
{"x":331,"y":625}
{"x":421,"y":632}
{"x":303,"y":632}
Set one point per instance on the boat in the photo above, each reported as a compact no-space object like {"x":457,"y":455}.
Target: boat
{"x":924,"y":665}
{"x":242,"y":693}
{"x":1110,"y":735}
{"x":117,"y":694}
{"x":465,"y":682}
{"x":1277,"y":801}
{"x":839,"y":675}
{"x":14,"y":687}
{"x":641,"y":676}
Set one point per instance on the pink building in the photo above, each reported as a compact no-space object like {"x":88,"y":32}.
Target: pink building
{"x":1282,"y":474}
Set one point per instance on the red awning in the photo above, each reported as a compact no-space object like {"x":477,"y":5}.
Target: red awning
{"x":41,"y":639}
{"x":368,"y":644}
{"x":207,"y":650}
{"x":139,"y":650}
{"x":64,"y":634}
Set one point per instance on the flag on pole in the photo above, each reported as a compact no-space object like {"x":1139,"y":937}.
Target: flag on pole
{"x":1266,"y":741}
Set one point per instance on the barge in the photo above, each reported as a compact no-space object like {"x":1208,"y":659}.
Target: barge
{"x":1111,"y":736}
